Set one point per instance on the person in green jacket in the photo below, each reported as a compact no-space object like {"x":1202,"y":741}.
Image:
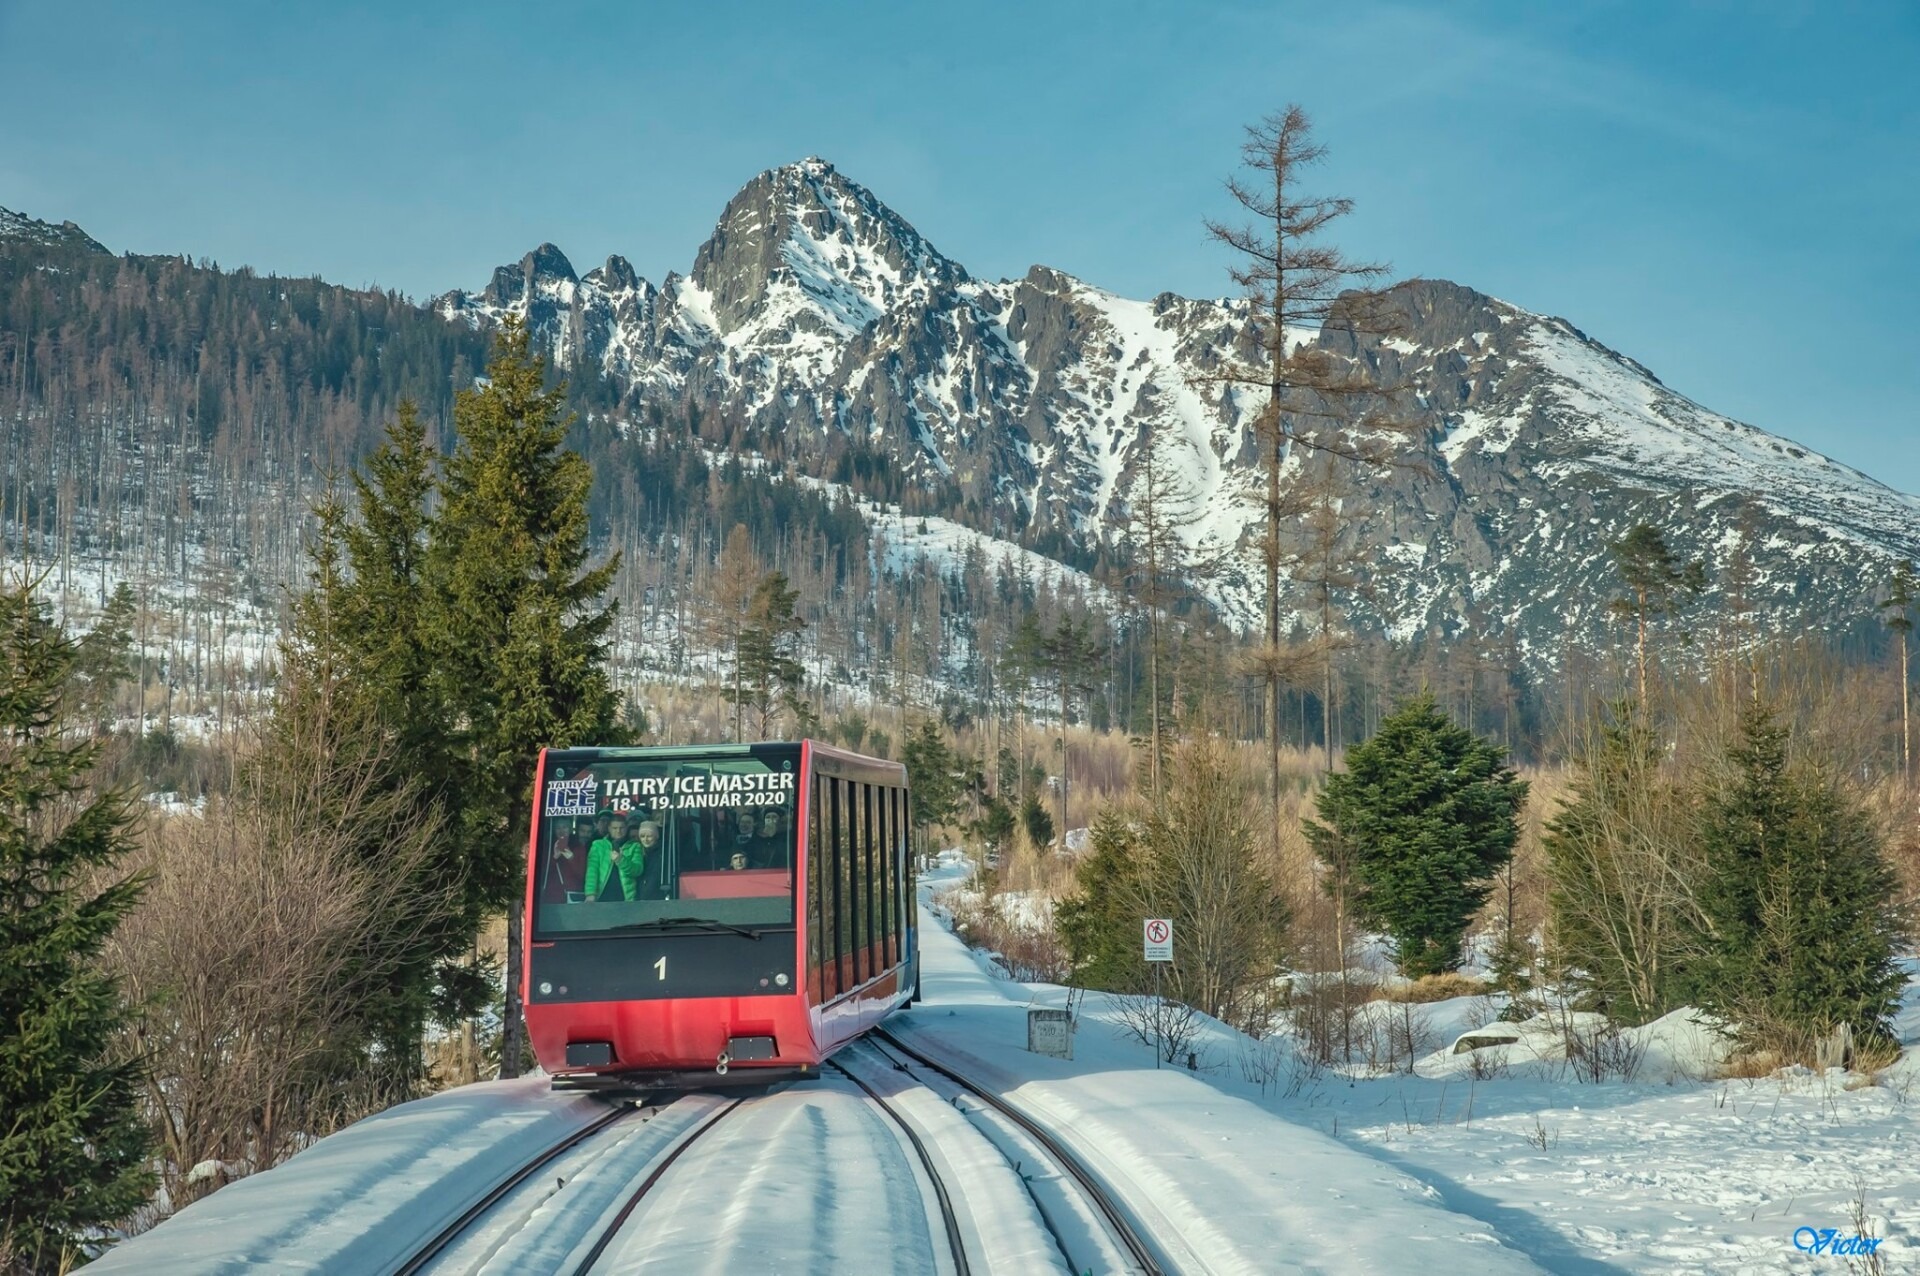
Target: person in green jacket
{"x":615,"y":865}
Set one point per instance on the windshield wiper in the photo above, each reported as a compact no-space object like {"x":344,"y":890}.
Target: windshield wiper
{"x":698,"y":923}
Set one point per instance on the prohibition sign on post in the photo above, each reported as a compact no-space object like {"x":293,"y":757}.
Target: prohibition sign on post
{"x":1158,"y":936}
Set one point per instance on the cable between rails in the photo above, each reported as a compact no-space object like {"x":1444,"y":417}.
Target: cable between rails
{"x":949,"y":1218}
{"x":1096,"y":1190}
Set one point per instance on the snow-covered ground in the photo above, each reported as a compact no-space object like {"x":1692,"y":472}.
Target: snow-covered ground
{"x":1486,"y":1162}
{"x":1672,"y":1171}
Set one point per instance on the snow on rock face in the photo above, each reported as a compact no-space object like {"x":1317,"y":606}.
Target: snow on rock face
{"x":20,"y":227}
{"x":815,"y":309}
{"x":804,"y":244}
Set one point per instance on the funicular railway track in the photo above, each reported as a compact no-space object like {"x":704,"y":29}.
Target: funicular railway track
{"x":646,"y":1184}
{"x":1137,"y":1249}
{"x":440,"y":1252}
{"x":949,"y":1215}
{"x":424,"y":1257}
{"x":1089,"y":1227}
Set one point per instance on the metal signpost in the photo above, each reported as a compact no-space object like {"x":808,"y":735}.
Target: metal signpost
{"x":1157,"y":946}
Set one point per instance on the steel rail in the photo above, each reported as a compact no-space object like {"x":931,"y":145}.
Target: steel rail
{"x":949,"y":1217}
{"x":1143,"y":1252}
{"x":450,"y":1233}
{"x":660,"y":1167}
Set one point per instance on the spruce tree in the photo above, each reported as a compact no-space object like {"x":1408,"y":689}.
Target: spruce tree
{"x":103,"y":664}
{"x":359,"y":682}
{"x":767,"y":676}
{"x":1100,"y":922}
{"x":1425,"y":814}
{"x":1036,"y":821}
{"x":932,"y":775}
{"x":1799,"y":901}
{"x":73,"y":1144}
{"x":521,"y":630}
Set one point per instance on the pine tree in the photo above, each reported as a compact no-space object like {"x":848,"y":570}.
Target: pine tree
{"x":1069,"y":655}
{"x":1035,"y":820}
{"x":1427,"y":815}
{"x":995,"y":825}
{"x":382,"y":622}
{"x":726,"y":613}
{"x":103,"y":663}
{"x":1293,"y":281}
{"x":1021,"y":662}
{"x":1799,"y":901}
{"x":1327,"y":563}
{"x":521,"y":633}
{"x":1162,"y":498}
{"x":73,"y":1145}
{"x":1654,"y":578}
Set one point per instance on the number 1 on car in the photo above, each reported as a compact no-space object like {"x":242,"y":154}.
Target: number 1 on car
{"x":661,"y":966}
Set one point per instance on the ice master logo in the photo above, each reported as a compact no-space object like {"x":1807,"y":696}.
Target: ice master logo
{"x":571,"y":797}
{"x":1828,"y":1240}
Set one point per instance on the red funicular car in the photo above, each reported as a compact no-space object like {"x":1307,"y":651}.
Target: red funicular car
{"x":714,"y":915}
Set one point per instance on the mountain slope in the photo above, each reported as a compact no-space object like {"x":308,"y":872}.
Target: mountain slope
{"x":21,"y":229}
{"x":1026,"y":406}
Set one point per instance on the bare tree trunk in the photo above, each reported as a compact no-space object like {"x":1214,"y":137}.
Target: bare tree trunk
{"x":1066,"y":690}
{"x":1642,"y":653}
{"x":1906,"y":717}
{"x":1153,"y":687}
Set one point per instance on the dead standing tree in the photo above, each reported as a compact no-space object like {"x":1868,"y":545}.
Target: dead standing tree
{"x":1324,"y":559}
{"x":1294,"y":284}
{"x":1163,"y":498}
{"x":726,"y":616}
{"x":1899,"y":609}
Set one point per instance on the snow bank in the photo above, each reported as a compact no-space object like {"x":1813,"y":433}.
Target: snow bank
{"x":376,"y":1190}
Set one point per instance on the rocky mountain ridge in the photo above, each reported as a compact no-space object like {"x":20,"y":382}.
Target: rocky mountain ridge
{"x":815,"y":310}
{"x":18,"y":226}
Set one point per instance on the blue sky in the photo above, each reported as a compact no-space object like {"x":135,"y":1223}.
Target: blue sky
{"x":1724,"y":191}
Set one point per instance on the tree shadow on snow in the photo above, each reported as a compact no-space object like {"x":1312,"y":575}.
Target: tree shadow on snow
{"x":1519,"y":1230}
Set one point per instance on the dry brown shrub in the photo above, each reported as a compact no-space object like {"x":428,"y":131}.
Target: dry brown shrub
{"x":1753,"y":1065}
{"x":1431,"y":988}
{"x":256,"y":923}
{"x":1028,"y":953}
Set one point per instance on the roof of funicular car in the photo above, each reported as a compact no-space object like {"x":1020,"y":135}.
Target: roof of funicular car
{"x":847,"y":759}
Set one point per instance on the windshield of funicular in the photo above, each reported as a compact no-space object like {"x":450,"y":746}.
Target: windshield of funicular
{"x":631,"y":840}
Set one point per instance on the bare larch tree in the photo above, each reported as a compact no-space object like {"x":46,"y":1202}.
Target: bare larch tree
{"x":1294,"y":284}
{"x":1162,"y":498}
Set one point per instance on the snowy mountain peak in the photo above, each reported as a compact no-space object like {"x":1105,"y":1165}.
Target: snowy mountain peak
{"x":540,"y":270}
{"x":804,"y":246}
{"x":615,"y":275}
